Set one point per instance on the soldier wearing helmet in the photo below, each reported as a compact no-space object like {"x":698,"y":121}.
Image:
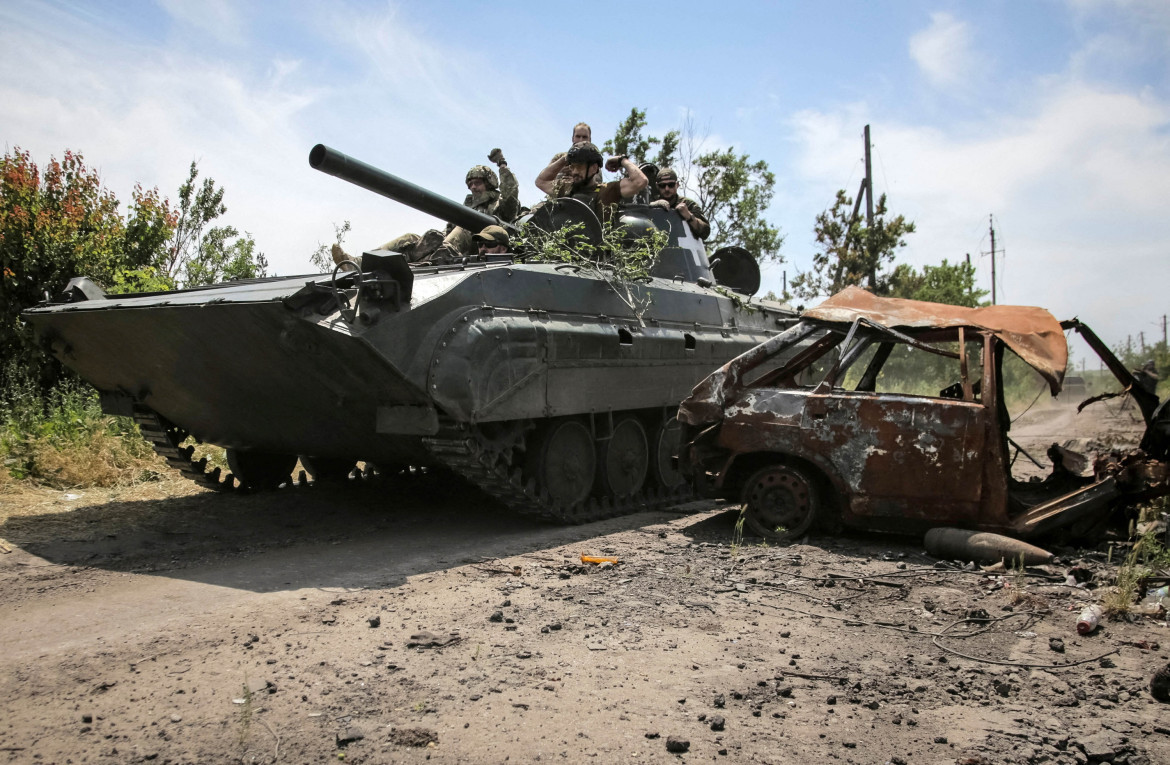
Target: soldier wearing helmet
{"x":668,"y":198}
{"x":577,"y":170}
{"x":582,"y":133}
{"x":487,"y":194}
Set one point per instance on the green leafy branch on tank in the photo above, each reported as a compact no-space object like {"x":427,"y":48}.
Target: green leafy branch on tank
{"x":622,"y":261}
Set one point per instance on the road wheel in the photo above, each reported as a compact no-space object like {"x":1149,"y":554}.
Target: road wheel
{"x":564,"y":461}
{"x":623,"y":459}
{"x":260,"y":470}
{"x":663,"y":447}
{"x":781,"y":502}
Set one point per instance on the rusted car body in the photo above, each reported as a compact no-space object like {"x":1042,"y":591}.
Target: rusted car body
{"x":801,"y":428}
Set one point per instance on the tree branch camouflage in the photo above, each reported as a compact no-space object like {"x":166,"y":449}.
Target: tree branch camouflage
{"x":621,"y":261}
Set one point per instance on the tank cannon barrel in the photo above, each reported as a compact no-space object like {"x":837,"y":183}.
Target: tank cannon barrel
{"x":355,"y":171}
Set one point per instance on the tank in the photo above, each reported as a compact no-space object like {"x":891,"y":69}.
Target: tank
{"x":533,"y":381}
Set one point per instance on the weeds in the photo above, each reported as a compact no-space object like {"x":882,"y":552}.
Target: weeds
{"x":1019,"y":580}
{"x":65,"y":441}
{"x":737,"y":534}
{"x":1148,"y":555}
{"x":245,"y":721}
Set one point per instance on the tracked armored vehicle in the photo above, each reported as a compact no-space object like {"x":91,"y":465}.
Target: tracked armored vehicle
{"x":533,"y":381}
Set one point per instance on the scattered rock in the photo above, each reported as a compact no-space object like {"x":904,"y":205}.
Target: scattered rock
{"x":1160,"y":684}
{"x":1056,"y":644}
{"x":417,"y":737}
{"x":720,"y":702}
{"x":677,"y":745}
{"x":498,"y":616}
{"x":718,"y":723}
{"x":1101,"y":747}
{"x":375,"y":621}
{"x":652,"y":736}
{"x":426,"y":639}
{"x":349,"y":735}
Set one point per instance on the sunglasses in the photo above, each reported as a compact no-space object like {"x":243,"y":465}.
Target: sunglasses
{"x":668,"y":184}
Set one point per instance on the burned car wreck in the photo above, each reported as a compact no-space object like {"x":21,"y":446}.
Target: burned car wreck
{"x":886,"y":414}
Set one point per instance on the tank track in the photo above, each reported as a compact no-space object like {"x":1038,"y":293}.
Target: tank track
{"x":166,"y":438}
{"x":487,"y":465}
{"x":491,"y":468}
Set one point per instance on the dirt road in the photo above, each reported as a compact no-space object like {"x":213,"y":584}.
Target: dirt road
{"x":401,"y":623}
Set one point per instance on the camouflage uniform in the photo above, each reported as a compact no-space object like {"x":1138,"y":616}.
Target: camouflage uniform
{"x":563,"y":180}
{"x":601,"y":197}
{"x":503,"y":203}
{"x":703,"y":229}
{"x":501,"y":199}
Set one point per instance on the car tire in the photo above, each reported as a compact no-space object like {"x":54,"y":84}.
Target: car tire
{"x":780,"y":502}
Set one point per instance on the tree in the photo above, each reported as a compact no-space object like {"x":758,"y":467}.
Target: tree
{"x":628,"y":139}
{"x":852,"y":254}
{"x":57,"y":225}
{"x":953,"y":284}
{"x":733,"y":191}
{"x":197,"y":255}
{"x":322,"y":257}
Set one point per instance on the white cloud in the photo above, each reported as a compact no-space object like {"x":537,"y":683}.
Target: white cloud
{"x":219,"y":18}
{"x":142,"y":113}
{"x":1079,"y":185}
{"x":943,"y":50}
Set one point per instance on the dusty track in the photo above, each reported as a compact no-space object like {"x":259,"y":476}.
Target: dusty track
{"x":205,"y":628}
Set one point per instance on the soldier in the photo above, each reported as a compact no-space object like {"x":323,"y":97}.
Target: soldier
{"x":487,"y":194}
{"x":582,"y":133}
{"x":688,"y":208}
{"x":580,"y":165}
{"x":493,"y":240}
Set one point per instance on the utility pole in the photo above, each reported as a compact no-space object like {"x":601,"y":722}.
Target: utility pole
{"x":991,"y":225}
{"x":1142,"y":340}
{"x":869,"y":213}
{"x":865,"y":190}
{"x":1163,"y":332}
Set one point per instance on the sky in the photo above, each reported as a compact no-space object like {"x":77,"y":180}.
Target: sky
{"x":1050,"y":117}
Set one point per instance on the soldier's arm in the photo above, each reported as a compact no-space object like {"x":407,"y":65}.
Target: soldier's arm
{"x":548,"y":176}
{"x":698,"y":222}
{"x":509,"y":208}
{"x":635,"y":179}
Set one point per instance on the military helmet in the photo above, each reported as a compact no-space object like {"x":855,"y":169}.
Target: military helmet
{"x":484,"y":172}
{"x":668,"y":174}
{"x":584,"y":153}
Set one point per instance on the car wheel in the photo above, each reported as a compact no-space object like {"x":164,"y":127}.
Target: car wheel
{"x":781,"y":502}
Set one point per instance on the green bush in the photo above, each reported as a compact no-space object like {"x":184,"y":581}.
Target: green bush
{"x":65,"y":441}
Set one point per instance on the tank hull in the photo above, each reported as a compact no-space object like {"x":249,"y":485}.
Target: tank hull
{"x":256,"y":367}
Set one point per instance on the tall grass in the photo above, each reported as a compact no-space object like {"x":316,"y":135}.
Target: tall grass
{"x":62,"y":439}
